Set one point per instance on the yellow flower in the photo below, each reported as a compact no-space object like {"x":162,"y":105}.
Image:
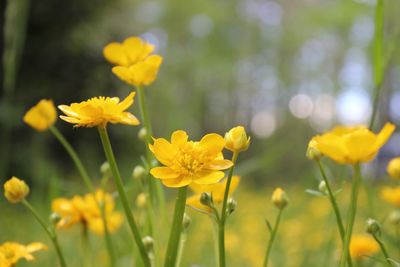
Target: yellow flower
{"x":133,"y":61}
{"x":216,"y":190}
{"x":393,"y":168}
{"x":237,"y":140}
{"x":362,"y":246}
{"x":15,"y":190}
{"x":99,"y":111}
{"x":188,"y":161}
{"x":86,"y":211}
{"x":42,"y":115}
{"x":391,"y":195}
{"x":11,"y":252}
{"x":352,"y":145}
{"x":279,"y":198}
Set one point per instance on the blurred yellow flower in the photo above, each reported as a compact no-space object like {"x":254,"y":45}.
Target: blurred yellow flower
{"x":216,"y":190}
{"x":279,"y":198}
{"x":99,"y":111}
{"x":84,"y":209}
{"x":15,"y":190}
{"x":237,"y":140}
{"x":133,"y":61}
{"x":393,"y":168}
{"x":42,"y":115}
{"x":362,"y":246}
{"x":189,"y":162}
{"x":12,"y":252}
{"x":391,"y":195}
{"x":352,"y":145}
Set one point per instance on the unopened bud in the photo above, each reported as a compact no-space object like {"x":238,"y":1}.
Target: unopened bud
{"x":138,"y":172}
{"x":141,"y":200}
{"x":373,"y":227}
{"x":186,"y":221}
{"x":105,"y":169}
{"x":54,"y":218}
{"x":279,"y":198}
{"x":394,"y":217}
{"x":322,"y":187}
{"x":148,"y":243}
{"x":142,"y":134}
{"x":206,"y":199}
{"x":236,"y":139}
{"x":231,"y":205}
{"x":312,"y":152}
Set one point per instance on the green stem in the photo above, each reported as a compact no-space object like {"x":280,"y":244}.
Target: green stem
{"x":221,"y":223}
{"x":351,"y":214}
{"x":110,"y":248}
{"x":383,"y":249}
{"x":378,"y":58}
{"x":50,"y":233}
{"x":335,"y":207}
{"x":86,"y":246}
{"x":89,"y":184}
{"x":124,"y":199}
{"x":176,"y":229}
{"x":182,"y":243}
{"x":272,"y":238}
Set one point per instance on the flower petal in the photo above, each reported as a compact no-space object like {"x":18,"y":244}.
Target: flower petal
{"x":178,"y":182}
{"x":164,"y":173}
{"x":115,"y":53}
{"x":179,"y":138}
{"x":212,"y":144}
{"x":209,"y":177}
{"x":164,"y":151}
{"x":217,"y":165}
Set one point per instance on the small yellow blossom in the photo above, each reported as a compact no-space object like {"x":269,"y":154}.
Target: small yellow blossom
{"x":237,"y":140}
{"x":11,"y":252}
{"x":189,"y":162}
{"x":362,"y":246}
{"x":84,"y":209}
{"x":216,"y":190}
{"x":42,"y":115}
{"x":134,"y":63}
{"x":279,"y":198}
{"x":391,"y":195}
{"x":351,"y":145}
{"x":99,"y":111}
{"x":15,"y":190}
{"x":393,"y":168}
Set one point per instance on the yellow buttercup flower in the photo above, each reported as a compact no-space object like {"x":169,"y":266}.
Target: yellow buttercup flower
{"x":391,"y":195}
{"x":86,"y":211}
{"x":216,"y":190}
{"x":393,"y":168}
{"x":12,"y":252}
{"x":42,"y":115}
{"x":279,"y":198}
{"x":362,"y":246}
{"x":237,"y":140}
{"x":99,"y":111}
{"x":133,"y":61}
{"x":351,"y":145}
{"x":15,"y":190}
{"x":189,"y":162}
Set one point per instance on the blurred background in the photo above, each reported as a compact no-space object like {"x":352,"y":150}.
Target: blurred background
{"x":286,"y":70}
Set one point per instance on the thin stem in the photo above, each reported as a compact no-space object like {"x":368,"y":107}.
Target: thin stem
{"x":335,"y":207}
{"x":383,"y":249}
{"x":89,"y":184}
{"x":86,"y":246}
{"x":272,"y":238}
{"x":221,"y":222}
{"x":182,"y":243}
{"x":378,"y":58}
{"x":351,"y":213}
{"x":50,"y":233}
{"x":176,"y":229}
{"x":124,"y":199}
{"x":110,"y":248}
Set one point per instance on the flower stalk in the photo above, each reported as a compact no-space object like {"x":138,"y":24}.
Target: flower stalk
{"x":272,"y":238}
{"x":124,"y":199}
{"x":383,"y":249}
{"x":49,"y":231}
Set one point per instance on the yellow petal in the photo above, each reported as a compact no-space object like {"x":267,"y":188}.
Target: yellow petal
{"x":164,"y":151}
{"x":212,"y":144}
{"x":115,"y":54}
{"x":127,"y":102}
{"x":209,"y":177}
{"x":384,"y":134}
{"x":220,"y":165}
{"x":178,"y":182}
{"x":179,"y":138}
{"x":332,"y":146}
{"x":164,"y":173}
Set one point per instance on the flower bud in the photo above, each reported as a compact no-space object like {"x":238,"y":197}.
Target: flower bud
{"x":15,"y":190}
{"x":138,"y":172}
{"x":142,"y":134}
{"x":394,"y":217}
{"x":54,"y":218}
{"x":141,"y":200}
{"x":105,"y":169}
{"x":148,"y":243}
{"x":279,"y":198}
{"x":373,"y":227}
{"x":206,"y":199}
{"x":312,"y":152}
{"x":41,"y":116}
{"x":322,"y":187}
{"x":186,"y":221}
{"x":393,"y":168}
{"x":231,"y":205}
{"x":236,"y":139}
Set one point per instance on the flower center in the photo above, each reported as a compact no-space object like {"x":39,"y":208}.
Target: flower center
{"x":190,"y":160}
